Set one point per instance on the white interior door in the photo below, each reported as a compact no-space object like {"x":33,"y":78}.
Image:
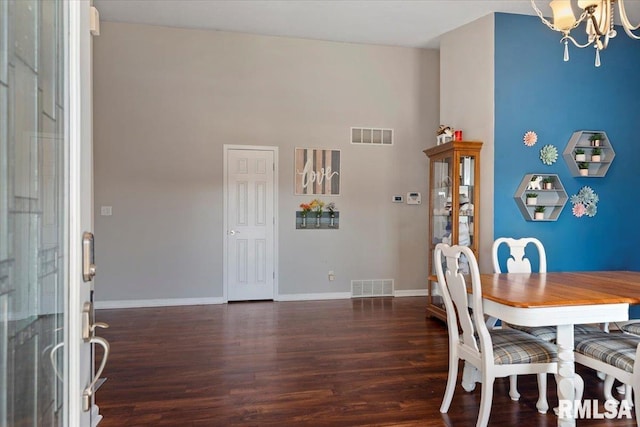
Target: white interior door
{"x":45,"y":203}
{"x":250,"y":197}
{"x":81,"y":340}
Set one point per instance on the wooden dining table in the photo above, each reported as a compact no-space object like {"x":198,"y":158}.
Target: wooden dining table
{"x":561,"y":299}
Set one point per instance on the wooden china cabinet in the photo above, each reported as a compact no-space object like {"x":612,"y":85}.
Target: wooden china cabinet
{"x":454,"y":206}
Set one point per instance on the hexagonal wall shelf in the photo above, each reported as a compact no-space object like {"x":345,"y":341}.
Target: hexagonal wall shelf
{"x":582,"y":140}
{"x":550,"y":195}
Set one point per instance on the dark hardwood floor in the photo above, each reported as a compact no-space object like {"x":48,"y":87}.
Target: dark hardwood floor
{"x":361,"y":362}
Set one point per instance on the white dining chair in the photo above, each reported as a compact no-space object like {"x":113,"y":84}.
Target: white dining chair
{"x":494,"y":353}
{"x":518,"y":262}
{"x":615,"y":354}
{"x":631,"y":327}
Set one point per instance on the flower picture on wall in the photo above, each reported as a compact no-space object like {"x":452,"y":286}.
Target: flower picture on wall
{"x":317,"y":171}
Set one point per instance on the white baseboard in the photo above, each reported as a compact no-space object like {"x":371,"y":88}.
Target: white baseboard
{"x":311,"y":297}
{"x":410,"y":293}
{"x":169,"y":302}
{"x":347,"y":295}
{"x":139,"y":303}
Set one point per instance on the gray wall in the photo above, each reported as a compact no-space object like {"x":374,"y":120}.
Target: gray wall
{"x":467,"y":103}
{"x":166,"y":100}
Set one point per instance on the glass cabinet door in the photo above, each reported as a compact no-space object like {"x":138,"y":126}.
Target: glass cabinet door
{"x":466,"y":202}
{"x":441,"y":201}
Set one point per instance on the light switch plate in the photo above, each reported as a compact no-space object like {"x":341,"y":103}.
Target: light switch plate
{"x":105,"y":210}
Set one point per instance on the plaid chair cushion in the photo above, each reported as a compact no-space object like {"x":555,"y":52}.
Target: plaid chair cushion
{"x":512,"y":347}
{"x":631,"y":328}
{"x":618,"y":350}
{"x":548,"y":333}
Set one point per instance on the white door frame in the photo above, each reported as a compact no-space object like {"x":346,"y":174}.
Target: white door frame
{"x":79,"y":360}
{"x":225,"y":225}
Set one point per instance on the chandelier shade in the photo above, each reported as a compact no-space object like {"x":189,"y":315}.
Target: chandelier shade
{"x":598,"y":18}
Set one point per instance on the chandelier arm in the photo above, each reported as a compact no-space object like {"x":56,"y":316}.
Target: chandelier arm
{"x":596,"y":25}
{"x":626,"y":24}
{"x":575,"y":42}
{"x":625,"y":19}
{"x":630,"y":34}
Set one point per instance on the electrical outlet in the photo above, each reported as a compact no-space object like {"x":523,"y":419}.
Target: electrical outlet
{"x":332,"y":276}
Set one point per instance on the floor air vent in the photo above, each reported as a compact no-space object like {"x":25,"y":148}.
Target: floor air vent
{"x":372,"y":136}
{"x":371,"y":288}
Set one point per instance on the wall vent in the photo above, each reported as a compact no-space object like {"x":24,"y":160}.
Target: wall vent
{"x":372,"y":288}
{"x":372,"y":136}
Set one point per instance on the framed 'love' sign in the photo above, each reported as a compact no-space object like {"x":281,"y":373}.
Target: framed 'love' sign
{"x":317,"y":171}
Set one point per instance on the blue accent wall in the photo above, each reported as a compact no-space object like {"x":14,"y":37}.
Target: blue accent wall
{"x":536,"y":90}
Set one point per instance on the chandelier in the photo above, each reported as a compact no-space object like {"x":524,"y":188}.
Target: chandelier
{"x":598,"y":16}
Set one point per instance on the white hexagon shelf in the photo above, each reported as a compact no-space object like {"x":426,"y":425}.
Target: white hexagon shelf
{"x":551,"y":196}
{"x":588,"y":166}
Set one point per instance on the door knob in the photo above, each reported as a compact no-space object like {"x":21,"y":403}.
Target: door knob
{"x":234,"y":232}
{"x":88,"y":324}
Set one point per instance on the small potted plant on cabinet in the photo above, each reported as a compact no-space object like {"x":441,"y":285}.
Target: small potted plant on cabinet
{"x":548,"y":182}
{"x":532,"y":199}
{"x":538,"y":213}
{"x":595,"y":154}
{"x":583,"y":168}
{"x":580,"y":156}
{"x":596,"y":139}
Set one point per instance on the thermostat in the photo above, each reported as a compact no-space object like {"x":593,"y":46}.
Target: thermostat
{"x":397,"y":199}
{"x":414,"y":198}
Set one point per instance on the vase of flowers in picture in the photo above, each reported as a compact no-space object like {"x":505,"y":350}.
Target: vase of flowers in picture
{"x":331,"y":207}
{"x":316,"y":206}
{"x":306,"y":208}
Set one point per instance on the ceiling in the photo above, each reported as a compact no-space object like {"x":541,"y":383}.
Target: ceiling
{"x":411,"y":23}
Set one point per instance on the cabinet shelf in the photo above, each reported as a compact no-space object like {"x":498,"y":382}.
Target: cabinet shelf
{"x":553,"y":199}
{"x":581,"y":140}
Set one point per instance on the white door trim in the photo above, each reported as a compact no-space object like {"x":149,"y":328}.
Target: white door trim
{"x":78,"y":357}
{"x":225,"y":238}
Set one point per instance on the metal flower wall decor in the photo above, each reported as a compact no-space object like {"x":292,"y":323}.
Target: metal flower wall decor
{"x":585,"y":202}
{"x":530,"y":138}
{"x":548,"y":154}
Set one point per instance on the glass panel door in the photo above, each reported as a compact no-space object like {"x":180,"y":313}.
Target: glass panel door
{"x":466,"y":202}
{"x":33,"y":213}
{"x":441,"y":201}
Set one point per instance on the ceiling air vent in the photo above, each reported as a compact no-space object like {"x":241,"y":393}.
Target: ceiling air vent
{"x":372,"y":136}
